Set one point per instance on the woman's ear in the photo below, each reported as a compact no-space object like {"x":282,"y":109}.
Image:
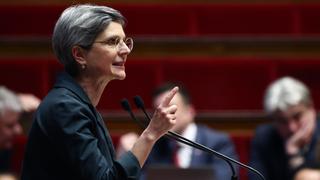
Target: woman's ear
{"x":79,"y":55}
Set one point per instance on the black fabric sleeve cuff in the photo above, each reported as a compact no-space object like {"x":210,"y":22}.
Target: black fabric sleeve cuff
{"x":131,"y":165}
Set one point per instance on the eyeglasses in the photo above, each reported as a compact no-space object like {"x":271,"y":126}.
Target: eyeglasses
{"x":117,"y":42}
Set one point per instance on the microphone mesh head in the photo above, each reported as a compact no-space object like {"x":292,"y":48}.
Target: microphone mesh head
{"x":138,"y":101}
{"x":125,"y":104}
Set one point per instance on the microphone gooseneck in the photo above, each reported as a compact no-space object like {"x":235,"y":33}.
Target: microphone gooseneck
{"x":126,"y":106}
{"x":139,"y":103}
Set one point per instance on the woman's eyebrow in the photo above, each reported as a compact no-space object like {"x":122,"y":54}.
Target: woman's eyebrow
{"x":114,"y":36}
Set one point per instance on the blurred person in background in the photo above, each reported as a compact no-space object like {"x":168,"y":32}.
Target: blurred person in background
{"x":290,"y":141}
{"x":10,"y":111}
{"x":12,"y":106}
{"x":169,"y":152}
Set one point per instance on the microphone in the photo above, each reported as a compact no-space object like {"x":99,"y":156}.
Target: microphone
{"x":139,"y":103}
{"x":126,"y":106}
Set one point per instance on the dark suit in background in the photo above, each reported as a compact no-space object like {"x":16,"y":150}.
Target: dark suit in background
{"x":68,"y":140}
{"x":268,"y":154}
{"x":5,"y":160}
{"x":163,"y":152}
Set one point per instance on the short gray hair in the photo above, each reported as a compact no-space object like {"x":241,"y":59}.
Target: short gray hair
{"x":80,"y":25}
{"x":284,"y":93}
{"x":9,"y":101}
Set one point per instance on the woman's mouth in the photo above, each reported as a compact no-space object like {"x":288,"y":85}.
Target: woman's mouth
{"x":118,"y":63}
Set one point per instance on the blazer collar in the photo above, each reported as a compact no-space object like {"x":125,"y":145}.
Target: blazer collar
{"x":64,"y":80}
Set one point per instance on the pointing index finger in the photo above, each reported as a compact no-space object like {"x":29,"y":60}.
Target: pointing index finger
{"x":169,"y":96}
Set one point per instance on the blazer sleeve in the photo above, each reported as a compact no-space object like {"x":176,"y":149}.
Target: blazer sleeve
{"x":70,"y":128}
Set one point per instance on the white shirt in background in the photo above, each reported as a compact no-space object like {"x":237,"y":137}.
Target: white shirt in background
{"x":185,"y":151}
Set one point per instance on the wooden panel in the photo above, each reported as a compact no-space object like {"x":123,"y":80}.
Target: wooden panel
{"x":168,"y":2}
{"x":246,"y":19}
{"x":219,"y":84}
{"x":306,"y":70}
{"x":24,"y":76}
{"x":215,"y":84}
{"x":159,"y":20}
{"x":28,"y":20}
{"x":310,"y":15}
{"x":183,"y":19}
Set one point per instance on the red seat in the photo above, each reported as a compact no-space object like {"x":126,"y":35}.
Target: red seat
{"x":242,"y":144}
{"x":18,"y":153}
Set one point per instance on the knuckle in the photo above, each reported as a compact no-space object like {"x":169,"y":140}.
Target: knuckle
{"x":159,"y":109}
{"x":175,"y":107}
{"x":163,"y":112}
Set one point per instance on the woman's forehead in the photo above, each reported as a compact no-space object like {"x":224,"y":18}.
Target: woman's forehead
{"x":113,"y":29}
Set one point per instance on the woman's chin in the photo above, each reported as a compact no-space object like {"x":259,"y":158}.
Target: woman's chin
{"x":120,"y":76}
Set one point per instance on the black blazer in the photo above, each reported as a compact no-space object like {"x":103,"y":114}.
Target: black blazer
{"x":68,"y":140}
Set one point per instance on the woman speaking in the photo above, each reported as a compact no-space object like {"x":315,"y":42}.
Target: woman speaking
{"x":68,"y":139}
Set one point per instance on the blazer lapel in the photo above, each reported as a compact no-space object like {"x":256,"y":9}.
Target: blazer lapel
{"x":105,"y":135}
{"x":64,"y":80}
{"x":197,"y":155}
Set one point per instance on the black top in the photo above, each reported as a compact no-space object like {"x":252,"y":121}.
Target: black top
{"x":5,"y":160}
{"x":68,"y":140}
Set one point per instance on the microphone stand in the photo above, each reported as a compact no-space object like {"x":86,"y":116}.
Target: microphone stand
{"x":139,"y":103}
{"x":172,"y":135}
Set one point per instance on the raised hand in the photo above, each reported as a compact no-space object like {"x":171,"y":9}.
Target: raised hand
{"x":164,"y":116}
{"x":303,"y":136}
{"x":162,"y":121}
